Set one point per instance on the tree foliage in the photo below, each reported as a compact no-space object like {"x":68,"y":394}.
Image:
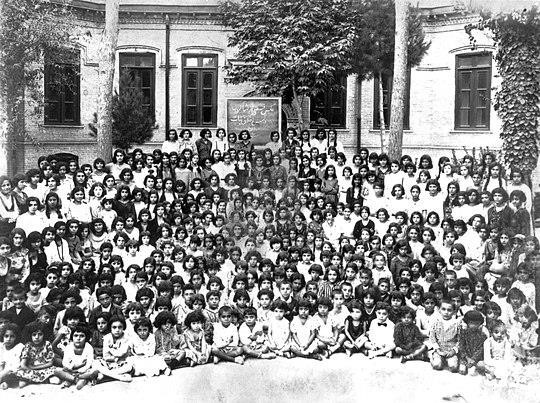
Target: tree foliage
{"x":131,"y":121}
{"x":374,"y":45}
{"x":517,"y":36}
{"x":297,"y":45}
{"x":29,"y":29}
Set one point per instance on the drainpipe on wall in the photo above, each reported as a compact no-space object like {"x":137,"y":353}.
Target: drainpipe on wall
{"x":167,"y":71}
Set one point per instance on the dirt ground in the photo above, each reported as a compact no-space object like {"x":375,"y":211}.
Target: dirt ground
{"x":339,"y":379}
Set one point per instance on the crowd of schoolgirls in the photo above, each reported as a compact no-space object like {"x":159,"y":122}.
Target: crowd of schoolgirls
{"x":215,"y":250}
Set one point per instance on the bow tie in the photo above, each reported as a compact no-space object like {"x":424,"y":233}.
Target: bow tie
{"x":383,"y":324}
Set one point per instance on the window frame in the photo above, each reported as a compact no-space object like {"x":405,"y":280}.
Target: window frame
{"x":328,"y":105}
{"x":473,"y":100}
{"x":200,"y":69}
{"x":60,"y":68}
{"x":152,"y":107}
{"x":389,"y":80}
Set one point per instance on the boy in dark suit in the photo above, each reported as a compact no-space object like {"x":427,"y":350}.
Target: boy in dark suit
{"x":24,"y":315}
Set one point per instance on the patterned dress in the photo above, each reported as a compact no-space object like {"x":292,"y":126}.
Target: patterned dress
{"x":36,"y":355}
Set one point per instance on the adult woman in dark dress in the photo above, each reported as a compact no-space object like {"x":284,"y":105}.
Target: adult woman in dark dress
{"x":9,"y":210}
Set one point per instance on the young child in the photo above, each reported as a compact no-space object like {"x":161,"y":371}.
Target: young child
{"x":443,"y":338}
{"x":408,"y":339}
{"x":10,"y":353}
{"x":497,"y":352}
{"x":381,"y":333}
{"x":99,"y":331}
{"x":143,"y":350}
{"x":168,"y":341}
{"x":226,"y":340}
{"x":196,"y":349}
{"x":77,"y":364}
{"x":279,"y":330}
{"x":325,"y":332}
{"x":116,"y":351}
{"x":471,"y":344}
{"x":303,"y":343}
{"x":23,"y":314}
{"x":72,"y":317}
{"x":523,"y":282}
{"x":526,"y":337}
{"x":354,"y":329}
{"x":337,"y":316}
{"x":252,"y":336}
{"x":36,"y":357}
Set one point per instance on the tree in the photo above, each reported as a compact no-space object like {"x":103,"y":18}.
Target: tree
{"x":290,"y":45}
{"x":373,"y":54}
{"x":131,"y":122}
{"x":106,"y":79}
{"x":517,"y":101}
{"x":29,"y":30}
{"x":395,"y":143}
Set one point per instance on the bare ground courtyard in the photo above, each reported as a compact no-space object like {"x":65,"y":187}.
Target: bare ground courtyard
{"x":339,"y":379}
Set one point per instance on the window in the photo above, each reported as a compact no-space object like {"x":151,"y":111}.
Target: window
{"x":473,"y":91}
{"x":387,"y":100}
{"x":199,"y":90}
{"x":142,"y":68}
{"x":328,"y":107}
{"x":62,"y":89}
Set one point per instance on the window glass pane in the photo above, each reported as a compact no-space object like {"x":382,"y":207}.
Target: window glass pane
{"x":207,"y":97}
{"x":482,"y":79}
{"x":465,"y":80}
{"x":147,"y":96}
{"x":146,"y":78}
{"x":69,"y":112}
{"x":464,"y":117}
{"x":191,"y":61}
{"x":209,"y":61}
{"x":52,"y":111}
{"x":208,"y":80}
{"x":482,"y":98}
{"x":481,"y":117}
{"x":192,"y":80}
{"x":465,"y":61}
{"x":136,"y":60}
{"x":191,"y":115}
{"x":191,"y":97}
{"x":465,"y":99}
{"x":207,"y":115}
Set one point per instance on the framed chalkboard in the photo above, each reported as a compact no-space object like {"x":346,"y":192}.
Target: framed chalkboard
{"x":258,"y":115}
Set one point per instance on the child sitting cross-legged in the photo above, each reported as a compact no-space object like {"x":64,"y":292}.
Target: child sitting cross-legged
{"x":168,"y":341}
{"x":407,"y":337}
{"x":443,"y":338}
{"x":225,"y":345}
{"x":327,"y":335}
{"x":196,"y":348}
{"x":78,"y":359}
{"x":381,"y":333}
{"x":279,"y":330}
{"x":10,"y":353}
{"x":143,"y":350}
{"x":354,"y":329}
{"x":116,"y":350}
{"x":471,"y":343}
{"x":303,"y":335}
{"x":252,"y":336}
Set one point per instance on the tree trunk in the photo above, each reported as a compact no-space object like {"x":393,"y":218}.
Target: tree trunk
{"x":382,"y":122}
{"x":4,"y":155}
{"x":297,"y":103}
{"x":106,"y":79}
{"x":399,"y":83}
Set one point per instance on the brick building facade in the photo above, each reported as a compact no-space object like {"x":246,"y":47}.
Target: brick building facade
{"x":437,"y":85}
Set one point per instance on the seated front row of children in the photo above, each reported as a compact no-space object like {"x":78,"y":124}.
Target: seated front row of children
{"x":121,"y":344}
